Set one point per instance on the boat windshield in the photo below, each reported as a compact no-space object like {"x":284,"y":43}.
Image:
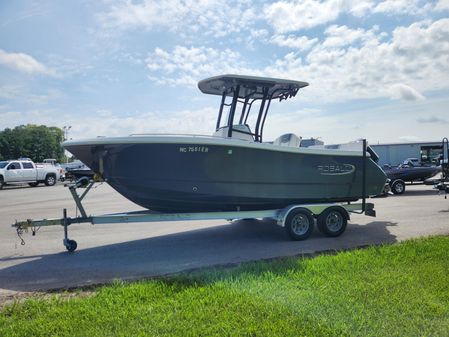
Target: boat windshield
{"x":240,"y":94}
{"x":3,"y":164}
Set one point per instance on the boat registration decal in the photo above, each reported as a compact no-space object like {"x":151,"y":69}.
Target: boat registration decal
{"x":187,"y":149}
{"x":336,"y":169}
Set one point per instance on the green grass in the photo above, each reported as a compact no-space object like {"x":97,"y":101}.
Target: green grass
{"x":395,"y":290}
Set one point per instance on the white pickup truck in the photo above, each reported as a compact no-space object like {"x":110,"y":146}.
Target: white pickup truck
{"x":16,"y":172}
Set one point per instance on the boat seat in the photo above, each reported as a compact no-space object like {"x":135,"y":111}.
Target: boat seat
{"x":239,"y":131}
{"x":288,"y":139}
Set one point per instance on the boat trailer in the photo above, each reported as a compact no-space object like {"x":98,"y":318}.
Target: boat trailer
{"x":298,"y":220}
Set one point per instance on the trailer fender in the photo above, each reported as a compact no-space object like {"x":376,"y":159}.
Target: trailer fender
{"x":283,"y":213}
{"x":343,"y":210}
{"x":315,"y":210}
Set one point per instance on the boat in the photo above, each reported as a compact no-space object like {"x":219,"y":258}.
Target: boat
{"x":411,"y":173}
{"x":403,"y":173}
{"x":76,"y":174}
{"x":234,"y":169}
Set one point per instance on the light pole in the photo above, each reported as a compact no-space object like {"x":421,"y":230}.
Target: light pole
{"x":66,"y":129}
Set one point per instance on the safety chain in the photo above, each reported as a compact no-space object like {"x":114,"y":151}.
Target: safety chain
{"x":24,"y":229}
{"x":20,"y":230}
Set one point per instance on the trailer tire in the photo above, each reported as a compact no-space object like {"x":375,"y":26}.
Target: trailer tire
{"x":34,"y":184}
{"x":299,"y":224}
{"x":50,"y":180}
{"x":398,"y":186}
{"x":332,"y":222}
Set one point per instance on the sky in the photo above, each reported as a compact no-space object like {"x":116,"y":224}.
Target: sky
{"x":377,"y":69}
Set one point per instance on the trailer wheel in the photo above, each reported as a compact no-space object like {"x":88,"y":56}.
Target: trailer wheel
{"x":332,"y":222}
{"x":50,"y":180}
{"x":71,"y":245}
{"x":299,"y":224}
{"x":398,"y":187}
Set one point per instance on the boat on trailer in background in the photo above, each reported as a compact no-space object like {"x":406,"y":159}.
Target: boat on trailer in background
{"x":233,"y":174}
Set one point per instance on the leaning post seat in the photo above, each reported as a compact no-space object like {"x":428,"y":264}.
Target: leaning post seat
{"x":240,"y":131}
{"x":288,"y":139}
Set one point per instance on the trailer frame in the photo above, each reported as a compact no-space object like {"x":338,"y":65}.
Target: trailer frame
{"x":303,"y":216}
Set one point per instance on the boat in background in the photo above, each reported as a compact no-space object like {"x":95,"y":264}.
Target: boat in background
{"x":403,"y":173}
{"x":234,"y":169}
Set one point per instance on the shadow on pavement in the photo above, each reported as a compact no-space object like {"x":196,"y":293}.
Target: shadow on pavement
{"x":414,"y":193}
{"x":225,"y":244}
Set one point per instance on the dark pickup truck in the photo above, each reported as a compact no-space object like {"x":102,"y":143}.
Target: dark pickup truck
{"x":403,"y":173}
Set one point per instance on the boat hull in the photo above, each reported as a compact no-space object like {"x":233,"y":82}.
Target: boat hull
{"x":184,"y":177}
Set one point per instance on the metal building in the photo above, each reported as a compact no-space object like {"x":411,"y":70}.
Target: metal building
{"x":395,"y":153}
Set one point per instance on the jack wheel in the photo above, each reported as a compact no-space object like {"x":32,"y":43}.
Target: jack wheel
{"x":71,"y":245}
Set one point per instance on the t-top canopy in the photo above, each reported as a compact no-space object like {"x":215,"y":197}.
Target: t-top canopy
{"x":252,"y":87}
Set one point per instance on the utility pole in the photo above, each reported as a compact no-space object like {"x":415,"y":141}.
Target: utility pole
{"x":66,"y":129}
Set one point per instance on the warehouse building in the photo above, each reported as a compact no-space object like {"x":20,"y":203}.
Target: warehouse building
{"x":395,"y":153}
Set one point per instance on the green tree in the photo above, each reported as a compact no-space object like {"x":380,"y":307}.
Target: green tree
{"x":34,"y":141}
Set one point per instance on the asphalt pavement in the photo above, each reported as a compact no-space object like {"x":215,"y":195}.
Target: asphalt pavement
{"x":134,"y":251}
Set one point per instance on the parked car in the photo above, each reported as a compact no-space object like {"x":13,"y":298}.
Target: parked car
{"x":17,"y":172}
{"x":54,"y":162}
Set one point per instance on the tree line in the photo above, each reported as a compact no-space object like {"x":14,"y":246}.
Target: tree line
{"x":32,"y":141}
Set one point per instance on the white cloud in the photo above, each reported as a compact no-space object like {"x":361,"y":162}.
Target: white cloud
{"x":359,"y":8}
{"x":295,"y":42}
{"x":295,"y":15}
{"x":339,"y":36}
{"x":288,"y":16}
{"x":211,"y":17}
{"x":442,"y":5}
{"x":392,"y":7}
{"x":24,"y":63}
{"x":23,"y":95}
{"x":338,"y":69}
{"x":405,"y":92}
{"x":187,"y":65}
{"x":347,"y":64}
